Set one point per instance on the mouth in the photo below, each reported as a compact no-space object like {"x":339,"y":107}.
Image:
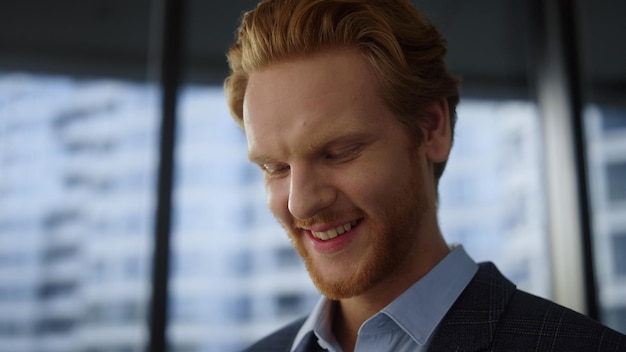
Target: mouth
{"x":334,"y":232}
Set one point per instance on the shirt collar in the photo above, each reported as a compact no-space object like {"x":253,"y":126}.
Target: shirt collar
{"x":420,"y":309}
{"x":417,"y":311}
{"x":320,"y":322}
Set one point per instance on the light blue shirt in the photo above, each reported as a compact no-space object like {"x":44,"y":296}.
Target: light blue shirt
{"x":409,"y":322}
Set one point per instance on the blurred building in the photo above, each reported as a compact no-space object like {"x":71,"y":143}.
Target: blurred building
{"x":77,"y":165}
{"x":606,"y":133}
{"x":492,"y":197}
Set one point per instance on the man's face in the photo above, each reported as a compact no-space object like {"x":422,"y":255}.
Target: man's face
{"x":342,"y":174}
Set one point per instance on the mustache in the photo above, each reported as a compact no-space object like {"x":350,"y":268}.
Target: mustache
{"x":327,"y":218}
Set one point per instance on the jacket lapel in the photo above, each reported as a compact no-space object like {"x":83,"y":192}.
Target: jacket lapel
{"x":471,"y":322}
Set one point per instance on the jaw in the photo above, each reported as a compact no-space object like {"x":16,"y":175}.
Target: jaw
{"x":335,"y":266}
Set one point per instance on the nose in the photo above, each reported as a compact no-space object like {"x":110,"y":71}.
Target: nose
{"x":309,"y":192}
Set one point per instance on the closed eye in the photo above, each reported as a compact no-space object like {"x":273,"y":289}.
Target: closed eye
{"x":344,"y":154}
{"x":275,"y":170}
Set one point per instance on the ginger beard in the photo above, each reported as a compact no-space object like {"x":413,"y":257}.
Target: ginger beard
{"x":393,"y":234}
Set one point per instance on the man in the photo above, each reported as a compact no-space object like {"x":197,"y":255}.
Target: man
{"x":349,"y":111}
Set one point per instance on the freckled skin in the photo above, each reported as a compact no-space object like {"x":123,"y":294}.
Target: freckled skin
{"x":334,"y":153}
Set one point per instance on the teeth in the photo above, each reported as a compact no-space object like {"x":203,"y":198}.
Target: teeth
{"x":322,"y":235}
{"x":332,"y":233}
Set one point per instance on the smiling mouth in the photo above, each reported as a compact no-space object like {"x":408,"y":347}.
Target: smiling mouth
{"x":334,"y":232}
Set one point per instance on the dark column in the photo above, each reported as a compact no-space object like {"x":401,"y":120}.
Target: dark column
{"x":169,"y":35}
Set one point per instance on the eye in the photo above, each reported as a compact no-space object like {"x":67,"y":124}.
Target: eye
{"x":344,"y":154}
{"x":275,"y":169}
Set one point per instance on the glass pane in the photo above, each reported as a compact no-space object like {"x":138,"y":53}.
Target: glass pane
{"x":607,"y":185}
{"x":76,"y":203}
{"x":492,"y":192}
{"x":605,"y":121}
{"x":78,"y":148}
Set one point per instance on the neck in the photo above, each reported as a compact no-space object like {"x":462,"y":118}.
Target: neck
{"x":350,"y":313}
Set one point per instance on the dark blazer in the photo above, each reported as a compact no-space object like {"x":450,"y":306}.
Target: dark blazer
{"x":493,"y":315}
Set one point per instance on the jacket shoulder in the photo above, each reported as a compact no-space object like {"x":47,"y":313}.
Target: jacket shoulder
{"x":533,"y":321}
{"x":493,"y":315}
{"x":280,"y":340}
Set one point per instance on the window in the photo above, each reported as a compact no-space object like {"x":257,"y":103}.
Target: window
{"x":619,"y":248}
{"x":59,"y":207}
{"x":616,"y":174}
{"x":287,"y":257}
{"x":288,"y":304}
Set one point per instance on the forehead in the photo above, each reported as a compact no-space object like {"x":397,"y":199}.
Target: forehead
{"x":310,"y":97}
{"x":309,"y":84}
{"x":321,"y":74}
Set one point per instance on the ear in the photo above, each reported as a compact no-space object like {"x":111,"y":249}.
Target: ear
{"x":437,"y":132}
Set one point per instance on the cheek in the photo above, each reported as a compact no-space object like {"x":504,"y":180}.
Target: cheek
{"x":370,"y":187}
{"x":381,"y":187}
{"x":277,"y":200}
